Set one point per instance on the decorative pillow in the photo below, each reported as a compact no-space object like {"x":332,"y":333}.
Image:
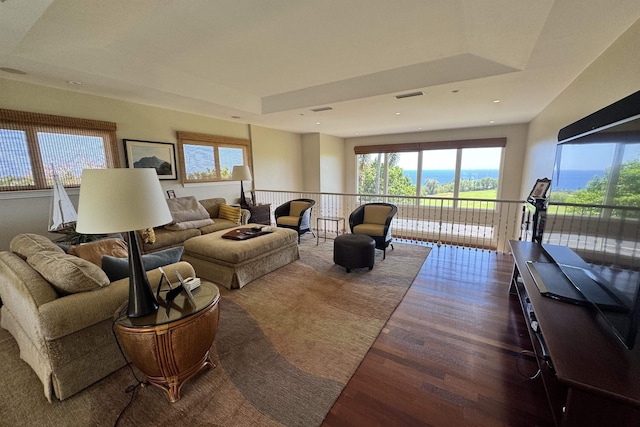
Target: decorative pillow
{"x":186,"y":225}
{"x":230,"y":213}
{"x":93,"y":251}
{"x":148,"y":235}
{"x":118,"y":268}
{"x":68,"y":274}
{"x":186,"y":209}
{"x":25,"y":245}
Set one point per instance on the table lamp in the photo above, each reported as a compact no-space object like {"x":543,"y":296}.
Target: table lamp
{"x":241,"y":173}
{"x":124,"y":200}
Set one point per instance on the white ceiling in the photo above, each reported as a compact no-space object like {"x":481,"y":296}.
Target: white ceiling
{"x":269,"y":62}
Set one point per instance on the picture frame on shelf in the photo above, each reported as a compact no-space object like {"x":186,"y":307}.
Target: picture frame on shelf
{"x":171,"y":194}
{"x":151,"y":154}
{"x":539,"y":190}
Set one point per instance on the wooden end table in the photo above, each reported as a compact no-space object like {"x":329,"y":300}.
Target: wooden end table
{"x":170,"y":348}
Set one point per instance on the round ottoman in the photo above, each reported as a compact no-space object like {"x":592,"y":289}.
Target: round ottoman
{"x":354,"y":251}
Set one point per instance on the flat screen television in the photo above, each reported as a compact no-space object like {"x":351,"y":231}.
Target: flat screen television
{"x":597,"y":176}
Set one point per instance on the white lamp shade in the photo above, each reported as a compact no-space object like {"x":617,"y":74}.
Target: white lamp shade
{"x":241,"y":173}
{"x":119,"y":200}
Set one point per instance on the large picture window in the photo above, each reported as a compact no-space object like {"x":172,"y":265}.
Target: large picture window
{"x":35,"y":146}
{"x":457,"y":169}
{"x":210,"y":158}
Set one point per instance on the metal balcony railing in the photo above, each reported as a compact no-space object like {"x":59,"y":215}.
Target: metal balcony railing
{"x":601,"y":234}
{"x":472,"y":223}
{"x":611,"y":233}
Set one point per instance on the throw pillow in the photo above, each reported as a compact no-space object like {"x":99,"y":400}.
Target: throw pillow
{"x":148,"y":235}
{"x":68,"y":274}
{"x":118,"y":268}
{"x":230,"y":213}
{"x":186,"y":209}
{"x":25,"y":245}
{"x":93,"y":251}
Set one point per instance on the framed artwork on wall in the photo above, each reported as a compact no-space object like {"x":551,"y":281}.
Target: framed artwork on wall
{"x":150,"y":154}
{"x":539,"y":190}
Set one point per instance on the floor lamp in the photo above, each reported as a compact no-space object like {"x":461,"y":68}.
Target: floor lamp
{"x":241,"y":173}
{"x":124,"y":200}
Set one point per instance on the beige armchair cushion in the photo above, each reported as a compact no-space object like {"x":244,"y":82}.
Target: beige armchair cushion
{"x":369,"y":229}
{"x":296,"y":208}
{"x":289,"y":220}
{"x":376,"y":214}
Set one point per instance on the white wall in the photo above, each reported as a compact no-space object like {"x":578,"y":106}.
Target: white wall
{"x":611,"y":77}
{"x":311,"y":162}
{"x":332,"y":164}
{"x":276,"y":159}
{"x":509,"y":184}
{"x":275,"y":153}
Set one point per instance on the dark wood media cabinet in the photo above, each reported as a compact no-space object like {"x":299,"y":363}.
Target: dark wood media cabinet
{"x":591,"y":379}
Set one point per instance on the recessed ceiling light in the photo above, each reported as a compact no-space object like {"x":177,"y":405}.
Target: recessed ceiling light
{"x":397,"y":114}
{"x":74,"y":82}
{"x":492,"y":121}
{"x":455,"y":91}
{"x":317,"y":123}
{"x":496,"y":101}
{"x":12,"y":70}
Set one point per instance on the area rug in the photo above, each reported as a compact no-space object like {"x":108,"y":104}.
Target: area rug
{"x":286,"y":346}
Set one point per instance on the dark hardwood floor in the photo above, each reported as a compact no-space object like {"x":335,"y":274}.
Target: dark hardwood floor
{"x":450,"y":355}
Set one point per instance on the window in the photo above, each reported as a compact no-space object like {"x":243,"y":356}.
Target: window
{"x":459,"y":169}
{"x":34,"y":146}
{"x":210,"y":158}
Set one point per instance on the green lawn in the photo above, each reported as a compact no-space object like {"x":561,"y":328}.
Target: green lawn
{"x":482,"y":194}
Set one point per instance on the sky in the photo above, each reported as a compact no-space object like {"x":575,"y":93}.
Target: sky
{"x":486,"y":158}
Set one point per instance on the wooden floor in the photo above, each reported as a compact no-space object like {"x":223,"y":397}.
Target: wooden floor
{"x":450,"y":354}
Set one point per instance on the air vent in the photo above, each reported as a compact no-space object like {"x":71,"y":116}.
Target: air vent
{"x":12,"y":70}
{"x":317,"y":110}
{"x":409,"y":95}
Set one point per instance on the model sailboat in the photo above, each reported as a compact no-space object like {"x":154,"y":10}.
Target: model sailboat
{"x":63,"y":215}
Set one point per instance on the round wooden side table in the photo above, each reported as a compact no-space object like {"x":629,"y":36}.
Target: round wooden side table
{"x":171,"y":346}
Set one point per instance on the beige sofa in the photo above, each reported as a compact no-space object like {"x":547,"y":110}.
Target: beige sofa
{"x":60,"y":310}
{"x":167,"y":238}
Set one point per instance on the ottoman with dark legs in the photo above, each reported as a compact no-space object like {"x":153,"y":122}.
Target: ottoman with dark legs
{"x":354,"y":251}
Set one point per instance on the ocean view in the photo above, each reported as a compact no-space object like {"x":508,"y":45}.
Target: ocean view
{"x":570,"y":179}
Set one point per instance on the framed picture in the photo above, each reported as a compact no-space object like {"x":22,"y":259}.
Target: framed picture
{"x":540,"y":189}
{"x":149,"y":154}
{"x":171,"y":194}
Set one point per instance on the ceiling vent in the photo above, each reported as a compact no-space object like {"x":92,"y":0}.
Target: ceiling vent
{"x":317,"y":110}
{"x":409,"y":95}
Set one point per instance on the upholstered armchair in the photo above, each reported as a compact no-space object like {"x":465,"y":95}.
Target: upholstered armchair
{"x":295,"y":214}
{"x":374,"y":219}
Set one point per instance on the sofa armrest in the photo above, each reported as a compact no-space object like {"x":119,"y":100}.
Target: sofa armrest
{"x":74,"y":312}
{"x":185,"y":269}
{"x":245,"y":215}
